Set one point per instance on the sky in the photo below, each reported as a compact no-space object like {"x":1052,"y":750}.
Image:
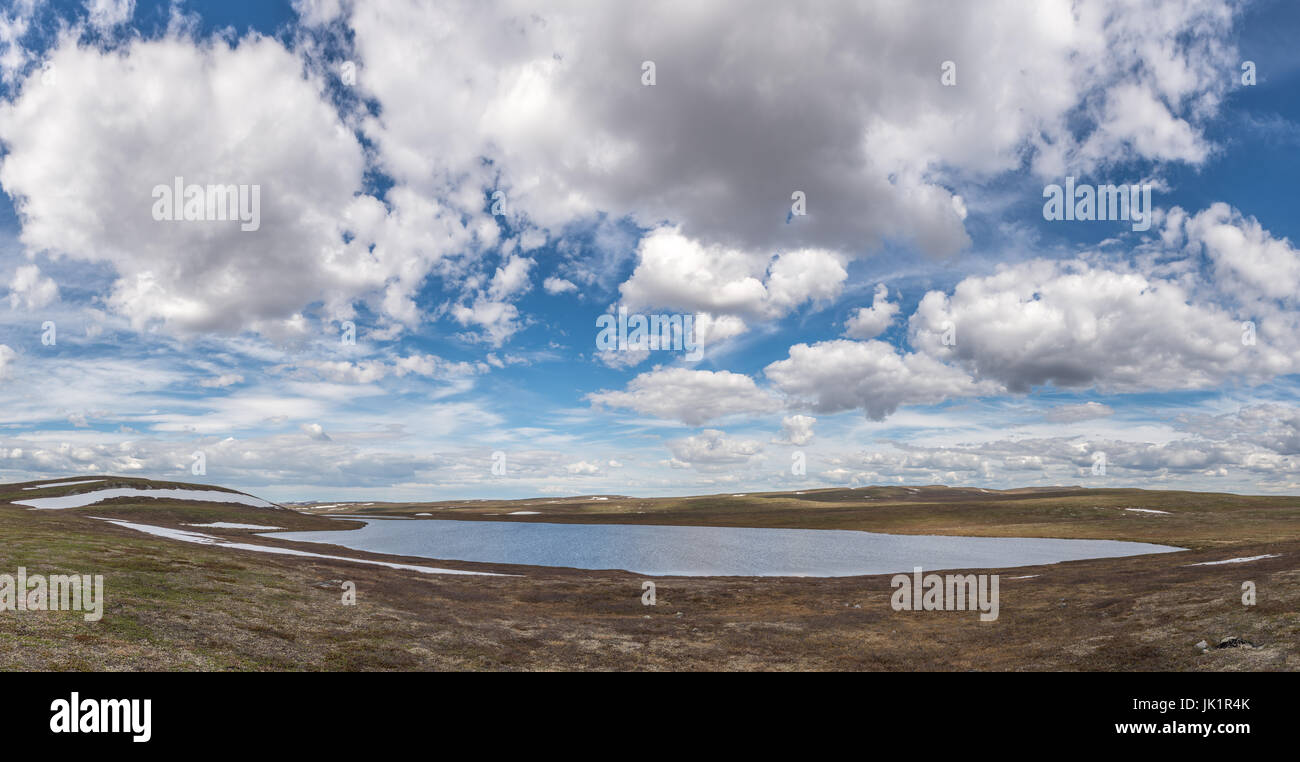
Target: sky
{"x":845,"y":206}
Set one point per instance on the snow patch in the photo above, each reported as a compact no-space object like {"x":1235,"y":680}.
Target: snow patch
{"x":64,"y":484}
{"x":90,"y":498}
{"x":1236,"y":560}
{"x":206,"y":539}
{"x":232,"y":525}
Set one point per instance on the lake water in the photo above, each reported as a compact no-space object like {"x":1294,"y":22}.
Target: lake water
{"x":709,"y":551}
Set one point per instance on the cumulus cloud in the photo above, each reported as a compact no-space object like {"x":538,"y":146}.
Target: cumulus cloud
{"x":693,"y":397}
{"x":511,"y":278}
{"x":676,"y":272}
{"x":711,"y":449}
{"x":106,"y":14}
{"x":498,"y":321}
{"x":1272,"y":426}
{"x":867,"y":134}
{"x":554,"y":285}
{"x":622,"y":358}
{"x":681,"y":191}
{"x":715,"y":148}
{"x":1088,"y":323}
{"x":1253,"y":447}
{"x":315,"y":431}
{"x":15,"y":22}
{"x":1249,"y":262}
{"x":1073,"y":324}
{"x":839,"y":375}
{"x":796,"y":430}
{"x":870,"y":322}
{"x":250,"y":117}
{"x":30,"y":289}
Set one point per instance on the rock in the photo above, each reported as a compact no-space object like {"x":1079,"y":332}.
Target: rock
{"x":1202,"y":645}
{"x":329,"y":583}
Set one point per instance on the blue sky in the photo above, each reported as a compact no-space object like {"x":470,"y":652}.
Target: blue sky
{"x":921,"y":323}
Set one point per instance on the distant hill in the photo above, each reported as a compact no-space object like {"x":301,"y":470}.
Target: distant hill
{"x":91,"y":491}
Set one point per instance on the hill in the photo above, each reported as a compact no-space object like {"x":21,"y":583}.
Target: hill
{"x":241,"y":599}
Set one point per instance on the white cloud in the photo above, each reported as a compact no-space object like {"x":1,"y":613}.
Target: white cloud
{"x":222,"y":381}
{"x":839,"y":375}
{"x":693,"y":397}
{"x":1073,"y":324}
{"x":211,"y":276}
{"x":316,"y":12}
{"x":30,"y":289}
{"x":676,"y":272}
{"x":712,"y":448}
{"x":1249,"y":263}
{"x":796,"y":430}
{"x":1081,"y":412}
{"x":511,"y":279}
{"x":106,"y":14}
{"x":373,"y":370}
{"x":622,"y":358}
{"x":7,"y":355}
{"x":870,"y":322}
{"x":498,"y":320}
{"x":723,"y":138}
{"x":315,"y":431}
{"x":15,"y":22}
{"x":554,"y":285}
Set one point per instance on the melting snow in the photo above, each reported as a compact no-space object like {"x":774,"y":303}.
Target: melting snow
{"x":232,"y":525}
{"x":523,"y":513}
{"x":206,"y":539}
{"x":90,"y":498}
{"x":1235,"y":560}
{"x":1146,"y":510}
{"x":64,"y":484}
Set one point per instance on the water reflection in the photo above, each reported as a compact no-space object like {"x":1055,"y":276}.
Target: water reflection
{"x":709,"y":551}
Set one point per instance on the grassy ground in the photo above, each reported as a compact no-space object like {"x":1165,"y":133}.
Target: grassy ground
{"x":180,"y":606}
